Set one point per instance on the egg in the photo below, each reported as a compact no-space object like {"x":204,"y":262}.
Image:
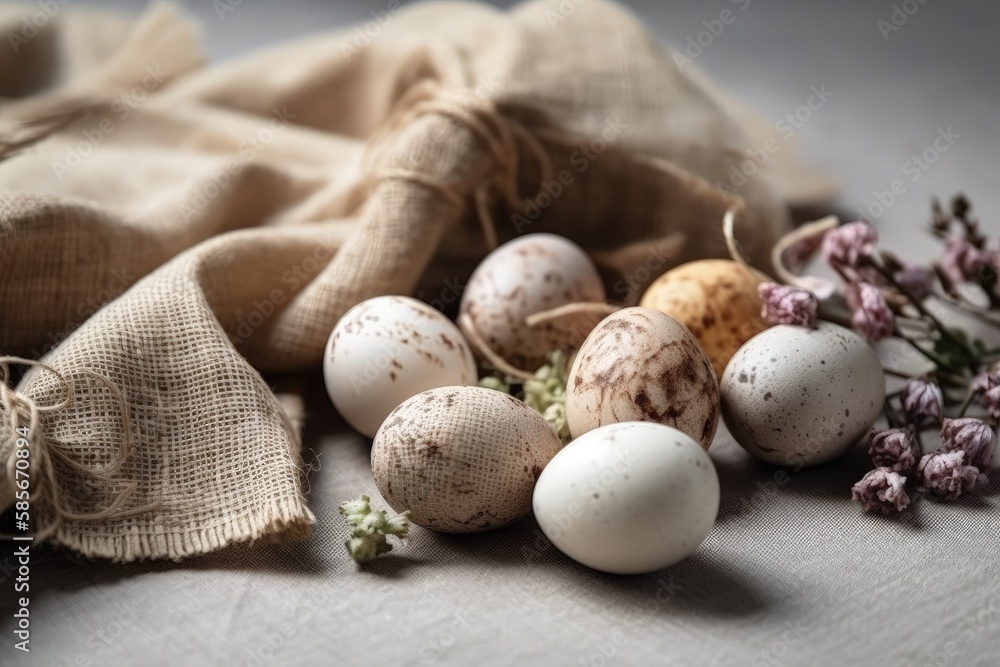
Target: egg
{"x":716,"y":299}
{"x":795,"y":396}
{"x":526,"y":276}
{"x":628,"y":498}
{"x":387,"y":349}
{"x":641,"y":365}
{"x":462,"y":459}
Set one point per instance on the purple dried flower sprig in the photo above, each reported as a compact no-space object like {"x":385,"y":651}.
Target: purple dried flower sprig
{"x":922,"y":400}
{"x":882,"y":490}
{"x":972,"y":436}
{"x":962,"y":463}
{"x":946,"y":475}
{"x":894,"y":448}
{"x":870,"y":313}
{"x":785,"y":304}
{"x":894,"y":297}
{"x":844,"y":246}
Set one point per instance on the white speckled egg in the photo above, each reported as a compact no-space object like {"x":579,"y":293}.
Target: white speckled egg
{"x":628,"y":498}
{"x":795,"y":396}
{"x":462,"y":459}
{"x":529,"y":275}
{"x":641,"y":365}
{"x":387,"y":349}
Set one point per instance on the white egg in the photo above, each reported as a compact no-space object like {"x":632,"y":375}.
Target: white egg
{"x":628,"y":498}
{"x":795,"y":396}
{"x":387,"y":349}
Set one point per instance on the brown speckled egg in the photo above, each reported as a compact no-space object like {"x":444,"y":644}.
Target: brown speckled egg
{"x":716,"y":299}
{"x":531,"y":274}
{"x":462,"y":459}
{"x":641,"y":365}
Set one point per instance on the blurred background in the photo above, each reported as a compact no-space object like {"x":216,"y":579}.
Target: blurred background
{"x":896,"y":76}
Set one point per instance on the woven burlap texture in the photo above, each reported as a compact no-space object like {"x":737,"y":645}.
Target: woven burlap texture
{"x":176,"y":229}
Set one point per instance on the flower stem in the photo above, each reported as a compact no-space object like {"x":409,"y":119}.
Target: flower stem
{"x":969,"y":352}
{"x":932,"y":357}
{"x":966,"y":403}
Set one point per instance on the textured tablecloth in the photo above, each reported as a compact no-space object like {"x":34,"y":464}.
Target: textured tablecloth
{"x":793,"y":573}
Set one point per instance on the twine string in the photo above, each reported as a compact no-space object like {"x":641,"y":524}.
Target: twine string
{"x":44,"y":451}
{"x":502,"y":136}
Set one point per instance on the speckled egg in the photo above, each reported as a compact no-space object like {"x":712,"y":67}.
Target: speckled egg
{"x":641,"y":365}
{"x":716,"y":299}
{"x":387,"y":349}
{"x":462,"y":459}
{"x":628,"y":498}
{"x":531,"y":274}
{"x":795,"y":396}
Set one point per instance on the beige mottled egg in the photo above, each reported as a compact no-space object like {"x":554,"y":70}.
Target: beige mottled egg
{"x":529,"y":275}
{"x":385,"y":350}
{"x":641,"y":365}
{"x":462,"y":459}
{"x":795,"y":396}
{"x":716,"y":299}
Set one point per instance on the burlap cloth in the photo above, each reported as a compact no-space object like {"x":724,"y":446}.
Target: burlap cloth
{"x":169,"y":231}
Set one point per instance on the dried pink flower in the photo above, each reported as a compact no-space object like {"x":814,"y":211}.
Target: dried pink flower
{"x":946,"y":475}
{"x":971,"y":436}
{"x":846,"y":244}
{"x":961,"y":261}
{"x":991,"y":260}
{"x":882,"y":490}
{"x":870,"y":314}
{"x":922,"y":399}
{"x":915,"y":279}
{"x":991,"y":401}
{"x":784,"y":304}
{"x":985,"y":381}
{"x":988,"y":386}
{"x":893,"y":448}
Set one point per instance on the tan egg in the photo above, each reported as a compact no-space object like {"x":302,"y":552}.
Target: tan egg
{"x":716,"y":299}
{"x":641,"y":365}
{"x":462,"y":459}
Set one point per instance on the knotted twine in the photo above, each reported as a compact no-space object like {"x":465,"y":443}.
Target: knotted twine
{"x":40,"y":477}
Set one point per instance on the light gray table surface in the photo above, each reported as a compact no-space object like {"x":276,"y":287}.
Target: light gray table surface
{"x":793,"y":574}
